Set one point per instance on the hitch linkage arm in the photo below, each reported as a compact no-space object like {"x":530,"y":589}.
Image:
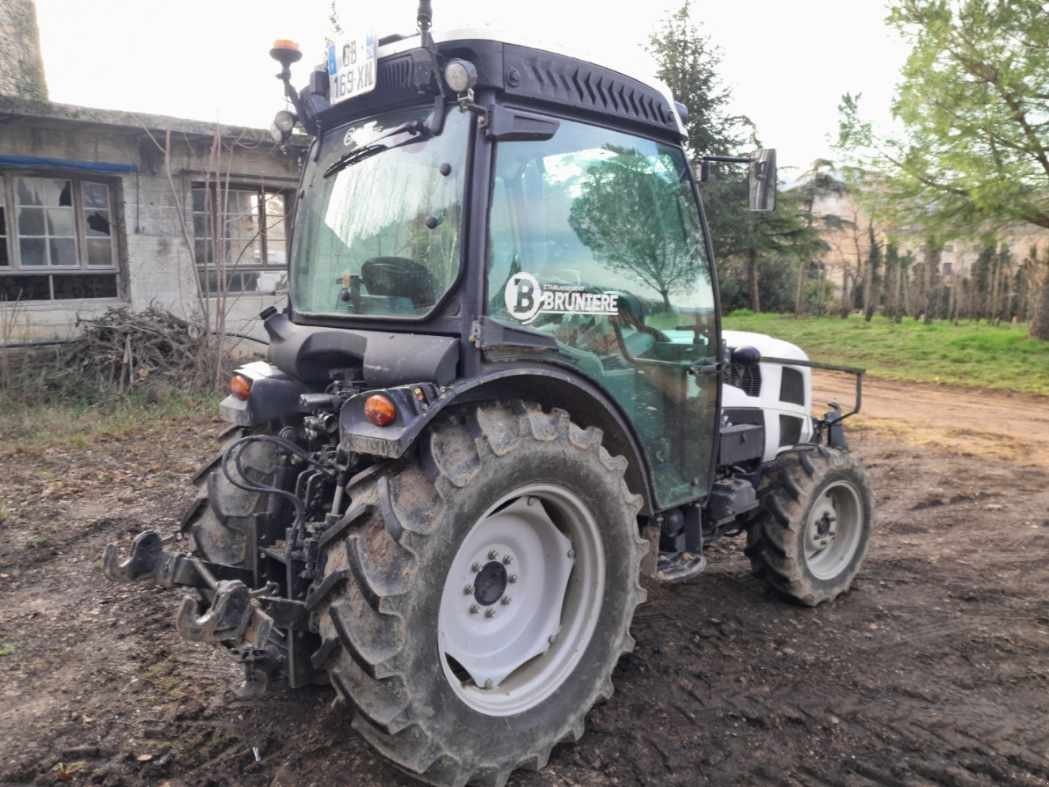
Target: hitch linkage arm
{"x":233,"y":618}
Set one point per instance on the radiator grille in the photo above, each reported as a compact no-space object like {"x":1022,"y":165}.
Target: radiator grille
{"x":745,"y":376}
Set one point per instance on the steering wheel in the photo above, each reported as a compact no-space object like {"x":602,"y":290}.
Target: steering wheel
{"x":398,"y":277}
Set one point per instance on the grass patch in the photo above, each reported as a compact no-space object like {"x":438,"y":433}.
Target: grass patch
{"x":970,"y":354}
{"x":79,"y":424}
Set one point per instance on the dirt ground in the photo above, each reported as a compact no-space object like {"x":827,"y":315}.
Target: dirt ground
{"x":933,"y":670}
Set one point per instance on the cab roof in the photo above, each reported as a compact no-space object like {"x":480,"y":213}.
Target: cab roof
{"x":536,"y":71}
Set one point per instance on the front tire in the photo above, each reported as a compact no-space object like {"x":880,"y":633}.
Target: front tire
{"x":495,"y":494}
{"x":809,"y":539}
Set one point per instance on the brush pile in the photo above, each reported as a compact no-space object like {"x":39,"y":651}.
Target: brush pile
{"x":123,"y":349}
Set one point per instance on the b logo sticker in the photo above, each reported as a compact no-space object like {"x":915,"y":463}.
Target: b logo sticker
{"x":526,"y":299}
{"x":523,"y":296}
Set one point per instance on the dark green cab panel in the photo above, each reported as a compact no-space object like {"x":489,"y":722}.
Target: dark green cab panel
{"x":595,"y":240}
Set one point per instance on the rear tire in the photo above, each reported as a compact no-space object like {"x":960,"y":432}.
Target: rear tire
{"x":809,"y":539}
{"x":394,"y":561}
{"x":221,"y":519}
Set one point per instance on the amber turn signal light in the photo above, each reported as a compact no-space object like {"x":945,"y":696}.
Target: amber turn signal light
{"x":380,"y":410}
{"x":240,"y":386}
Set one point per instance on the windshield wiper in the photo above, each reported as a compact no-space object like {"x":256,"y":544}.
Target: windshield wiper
{"x":416,"y":128}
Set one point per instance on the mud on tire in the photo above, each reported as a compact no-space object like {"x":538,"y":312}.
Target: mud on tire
{"x":386,"y":568}
{"x":776,"y":538}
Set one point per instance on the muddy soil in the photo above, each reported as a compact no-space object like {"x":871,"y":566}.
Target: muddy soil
{"x":933,"y":670}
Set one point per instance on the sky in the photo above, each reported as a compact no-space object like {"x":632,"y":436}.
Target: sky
{"x":787,"y":63}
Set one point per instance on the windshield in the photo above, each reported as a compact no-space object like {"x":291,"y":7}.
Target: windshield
{"x":378,"y":235}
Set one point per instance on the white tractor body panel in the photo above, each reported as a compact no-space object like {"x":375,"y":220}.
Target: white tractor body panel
{"x":787,"y":420}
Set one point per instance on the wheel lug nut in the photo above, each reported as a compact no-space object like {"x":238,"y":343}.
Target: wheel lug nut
{"x":476,"y":568}
{"x":507,"y":560}
{"x":504,"y":600}
{"x":488,"y":683}
{"x":571,"y":554}
{"x":489,"y":613}
{"x":468,"y":589}
{"x":512,"y":578}
{"x":473,"y":609}
{"x":493,"y":555}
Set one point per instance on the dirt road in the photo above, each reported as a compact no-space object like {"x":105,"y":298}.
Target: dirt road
{"x":993,"y":423}
{"x":933,"y":670}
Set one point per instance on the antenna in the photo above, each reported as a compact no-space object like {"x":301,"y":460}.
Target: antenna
{"x":425,"y":19}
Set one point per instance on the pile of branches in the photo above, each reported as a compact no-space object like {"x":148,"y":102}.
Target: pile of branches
{"x":124,"y":350}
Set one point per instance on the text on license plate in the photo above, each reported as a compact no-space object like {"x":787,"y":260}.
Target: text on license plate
{"x":351,"y":67}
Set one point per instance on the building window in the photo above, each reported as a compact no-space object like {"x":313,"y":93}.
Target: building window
{"x":948,"y":269}
{"x":250,"y":251}
{"x":56,"y":238}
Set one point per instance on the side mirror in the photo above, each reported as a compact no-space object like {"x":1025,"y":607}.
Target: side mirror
{"x":763,"y":181}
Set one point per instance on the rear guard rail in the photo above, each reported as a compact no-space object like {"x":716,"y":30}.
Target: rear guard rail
{"x":234,"y":617}
{"x":830,"y":367}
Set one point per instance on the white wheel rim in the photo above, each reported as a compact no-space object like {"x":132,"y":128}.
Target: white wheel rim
{"x":833,"y":530}
{"x":521,"y":600}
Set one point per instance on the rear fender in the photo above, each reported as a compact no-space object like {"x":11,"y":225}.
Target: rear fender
{"x":274,"y":395}
{"x":419,"y":404}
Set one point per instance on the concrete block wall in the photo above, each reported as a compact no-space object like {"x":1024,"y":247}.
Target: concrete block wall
{"x":21,"y":64}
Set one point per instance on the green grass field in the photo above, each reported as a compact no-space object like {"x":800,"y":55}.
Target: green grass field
{"x":971,"y":354}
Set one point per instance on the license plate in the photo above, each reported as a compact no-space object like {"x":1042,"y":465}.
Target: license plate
{"x":351,"y":66}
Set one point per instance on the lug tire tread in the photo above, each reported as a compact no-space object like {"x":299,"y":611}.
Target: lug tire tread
{"x":774,"y":536}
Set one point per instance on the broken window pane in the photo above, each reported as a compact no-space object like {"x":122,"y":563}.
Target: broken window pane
{"x":97,"y":222}
{"x":46,"y":192}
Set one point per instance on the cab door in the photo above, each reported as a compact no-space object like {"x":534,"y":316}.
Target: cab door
{"x":595,"y":239}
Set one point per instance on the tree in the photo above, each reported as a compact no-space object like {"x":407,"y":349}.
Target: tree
{"x":688,"y":63}
{"x":619,"y":216}
{"x":871,"y":276}
{"x":751,"y":250}
{"x":973,"y":103}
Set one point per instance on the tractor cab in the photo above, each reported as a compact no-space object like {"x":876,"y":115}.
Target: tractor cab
{"x":537,"y":211}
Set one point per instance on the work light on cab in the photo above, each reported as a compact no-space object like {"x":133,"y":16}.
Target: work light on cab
{"x":283,"y":125}
{"x":460,"y":75}
{"x":380,"y":410}
{"x":240,"y":386}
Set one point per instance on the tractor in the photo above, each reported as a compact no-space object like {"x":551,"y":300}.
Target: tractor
{"x":498,"y":398}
